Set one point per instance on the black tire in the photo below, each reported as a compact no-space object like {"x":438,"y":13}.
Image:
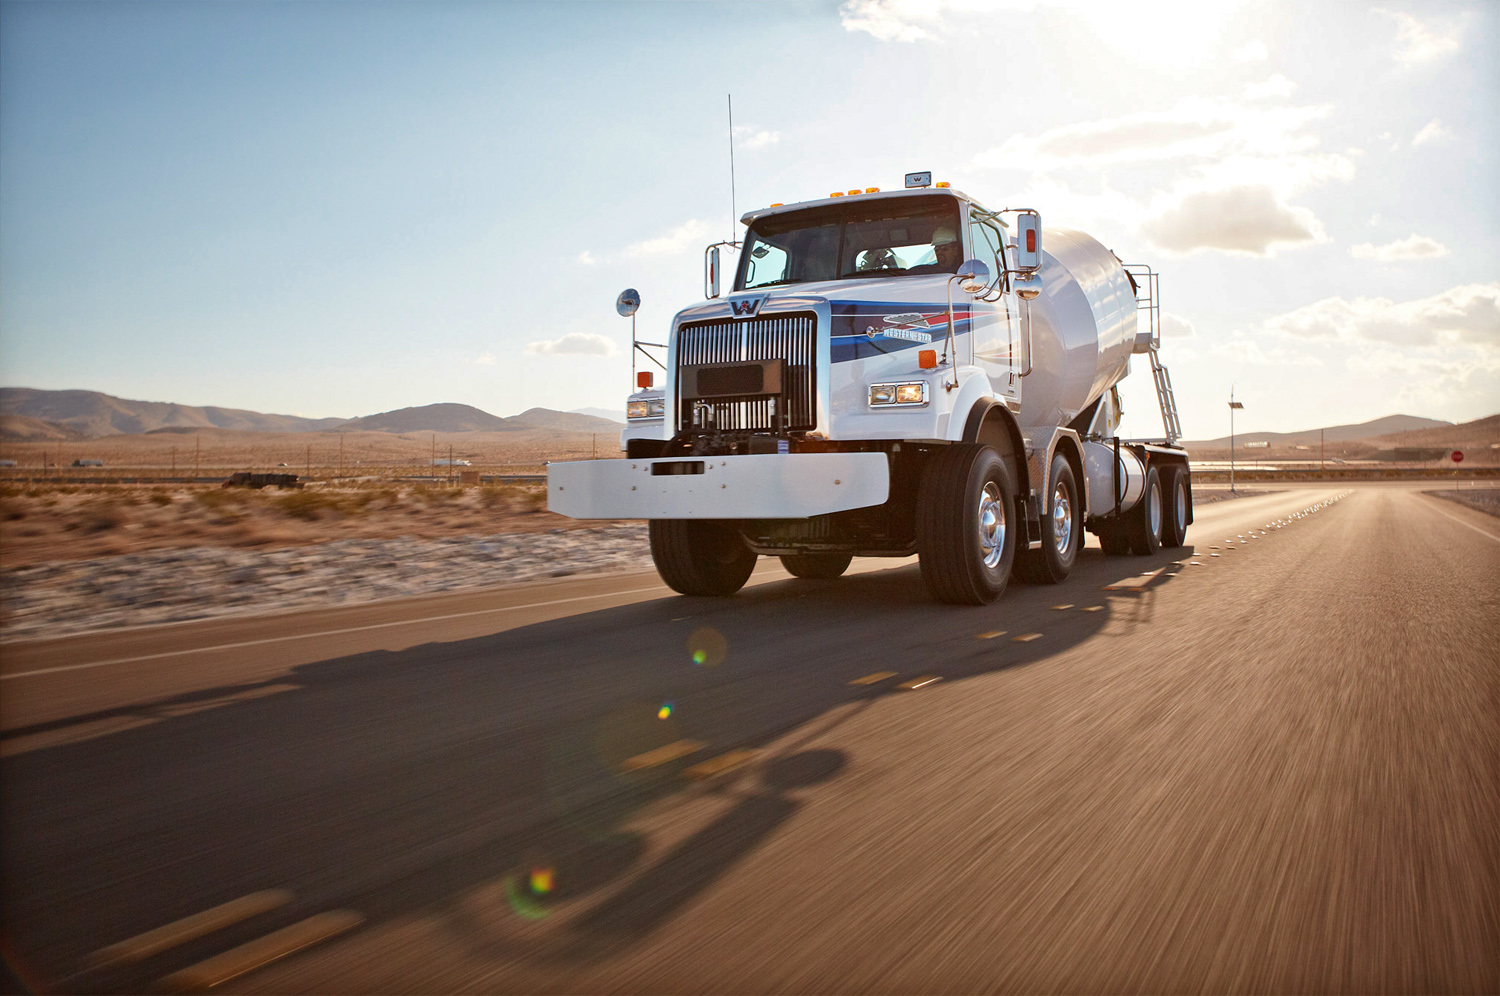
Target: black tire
{"x":1176,"y":507}
{"x":816,"y":565}
{"x":1143,"y":523}
{"x":700,"y":556}
{"x":1062,"y":530}
{"x":966,"y":524}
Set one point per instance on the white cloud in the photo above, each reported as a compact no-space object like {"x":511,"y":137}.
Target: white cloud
{"x":1375,"y":220}
{"x":1430,"y":132}
{"x":586,"y":258}
{"x":1149,"y":30}
{"x":1276,"y":86}
{"x":1412,"y":247}
{"x":1244,"y":164}
{"x":749,"y":137}
{"x":1195,"y":128}
{"x":689,"y":235}
{"x":1464,"y":315}
{"x":1259,"y":352}
{"x":1250,"y":220}
{"x":1417,"y":43}
{"x":574,"y":344}
{"x":1176,"y":327}
{"x":892,"y":20}
{"x":1254,"y":51}
{"x":486,"y":360}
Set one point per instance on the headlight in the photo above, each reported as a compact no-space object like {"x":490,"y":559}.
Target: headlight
{"x":646,"y":409}
{"x":910,"y":394}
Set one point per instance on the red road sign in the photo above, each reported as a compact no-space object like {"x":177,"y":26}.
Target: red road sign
{"x":1458,"y":456}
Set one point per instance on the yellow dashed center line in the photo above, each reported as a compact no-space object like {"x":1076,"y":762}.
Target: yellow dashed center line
{"x":1059,"y":608}
{"x":916,"y":683}
{"x":261,"y":951}
{"x":143,"y":946}
{"x":716,"y":766}
{"x":1027,"y":637}
{"x":990,"y":635}
{"x":1092,"y":608}
{"x":661,"y":755}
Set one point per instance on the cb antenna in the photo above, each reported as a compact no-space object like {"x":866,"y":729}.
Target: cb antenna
{"x":733,"y":212}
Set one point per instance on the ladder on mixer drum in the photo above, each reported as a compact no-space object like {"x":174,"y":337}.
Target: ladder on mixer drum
{"x":1148,"y":300}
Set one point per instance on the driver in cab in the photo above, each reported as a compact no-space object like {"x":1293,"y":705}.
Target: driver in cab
{"x":948,"y":251}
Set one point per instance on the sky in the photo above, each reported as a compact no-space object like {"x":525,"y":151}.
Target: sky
{"x":335,"y":209}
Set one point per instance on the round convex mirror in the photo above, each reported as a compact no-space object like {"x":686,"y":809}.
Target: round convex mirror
{"x":974,"y":276}
{"x":628,"y":301}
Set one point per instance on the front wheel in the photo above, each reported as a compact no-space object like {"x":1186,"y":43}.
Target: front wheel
{"x":966,"y":535}
{"x":816,"y":565}
{"x":1062,"y":531}
{"x":700,"y":556}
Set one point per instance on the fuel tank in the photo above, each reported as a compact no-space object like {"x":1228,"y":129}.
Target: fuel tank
{"x":1082,"y":328}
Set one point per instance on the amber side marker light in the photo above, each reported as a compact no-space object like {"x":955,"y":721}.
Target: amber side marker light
{"x":927,"y":359}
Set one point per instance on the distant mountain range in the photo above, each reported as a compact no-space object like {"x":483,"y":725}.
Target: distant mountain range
{"x":1332,"y":434}
{"x":27,"y":414}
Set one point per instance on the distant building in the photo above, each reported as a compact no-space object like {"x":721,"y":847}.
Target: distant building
{"x":88,"y":463}
{"x":445,"y":462}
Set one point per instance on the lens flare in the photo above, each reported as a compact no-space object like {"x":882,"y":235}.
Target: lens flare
{"x":665,"y":712}
{"x":541,"y":881}
{"x":707,"y":647}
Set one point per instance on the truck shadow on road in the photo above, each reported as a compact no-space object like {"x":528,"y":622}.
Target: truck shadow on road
{"x":520,"y":763}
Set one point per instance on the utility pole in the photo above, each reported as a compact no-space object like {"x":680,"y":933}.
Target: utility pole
{"x":197,"y":458}
{"x":450,"y":465}
{"x":1233,"y":404}
{"x":309,"y":461}
{"x":341,"y":454}
{"x":1321,"y":467}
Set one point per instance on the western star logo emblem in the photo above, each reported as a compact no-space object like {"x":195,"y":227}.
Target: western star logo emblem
{"x":746,"y":307}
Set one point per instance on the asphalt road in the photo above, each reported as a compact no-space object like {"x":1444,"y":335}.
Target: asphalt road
{"x":1276,"y":769}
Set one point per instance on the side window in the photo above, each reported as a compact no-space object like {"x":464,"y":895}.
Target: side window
{"x":767,"y":264}
{"x":986,"y":242}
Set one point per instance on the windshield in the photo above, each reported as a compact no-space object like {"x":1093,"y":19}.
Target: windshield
{"x":889,"y":237}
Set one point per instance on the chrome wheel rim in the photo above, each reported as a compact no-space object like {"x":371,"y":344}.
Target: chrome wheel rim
{"x":1180,"y":505}
{"x":991,"y":525}
{"x":1062,"y":519}
{"x":1153,"y":509}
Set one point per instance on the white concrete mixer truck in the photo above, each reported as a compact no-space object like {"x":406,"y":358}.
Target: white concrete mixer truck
{"x":897,"y":373}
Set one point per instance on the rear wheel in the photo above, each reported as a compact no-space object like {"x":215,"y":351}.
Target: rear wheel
{"x":1062,"y":530}
{"x":1177,"y":505}
{"x":700,"y":556}
{"x":1143,"y":524}
{"x":816,"y":565}
{"x":966,"y":533}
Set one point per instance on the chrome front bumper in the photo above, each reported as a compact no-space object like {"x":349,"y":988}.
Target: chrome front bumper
{"x":759,"y":486}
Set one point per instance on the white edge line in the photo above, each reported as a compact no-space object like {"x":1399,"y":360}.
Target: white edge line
{"x":326,"y":632}
{"x":1461,"y":522}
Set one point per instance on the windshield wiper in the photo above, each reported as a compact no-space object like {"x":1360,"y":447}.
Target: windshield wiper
{"x":776,"y":283}
{"x":865,"y":274}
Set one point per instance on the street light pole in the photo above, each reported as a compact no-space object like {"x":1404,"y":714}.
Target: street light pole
{"x":1233,"y":404}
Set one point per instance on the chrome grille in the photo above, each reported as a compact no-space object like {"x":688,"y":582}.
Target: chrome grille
{"x":791,"y":337}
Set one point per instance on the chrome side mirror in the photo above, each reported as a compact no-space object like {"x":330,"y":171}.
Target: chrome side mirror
{"x":974,"y":276}
{"x":1028,"y":241}
{"x":628,"y":302}
{"x":711,"y":273}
